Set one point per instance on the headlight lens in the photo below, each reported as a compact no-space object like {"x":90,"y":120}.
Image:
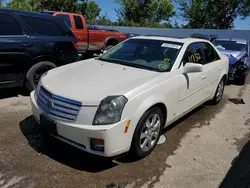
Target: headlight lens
{"x":110,"y":110}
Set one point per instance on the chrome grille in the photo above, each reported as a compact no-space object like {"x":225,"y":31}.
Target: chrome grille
{"x":57,"y":107}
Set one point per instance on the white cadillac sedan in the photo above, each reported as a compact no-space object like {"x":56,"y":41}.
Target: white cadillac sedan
{"x":121,"y":101}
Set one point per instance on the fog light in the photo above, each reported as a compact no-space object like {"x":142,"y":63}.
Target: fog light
{"x":97,"y":144}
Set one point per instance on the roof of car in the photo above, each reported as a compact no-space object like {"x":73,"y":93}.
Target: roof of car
{"x":24,"y":12}
{"x":181,"y":40}
{"x":231,"y":39}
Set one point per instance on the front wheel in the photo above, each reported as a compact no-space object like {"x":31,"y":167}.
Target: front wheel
{"x":147,"y":133}
{"x":219,"y":92}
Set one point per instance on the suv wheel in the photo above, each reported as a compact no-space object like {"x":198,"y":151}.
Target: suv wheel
{"x":35,"y":72}
{"x":147,"y":133}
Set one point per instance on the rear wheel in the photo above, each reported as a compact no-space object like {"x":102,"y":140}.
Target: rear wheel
{"x":35,"y":72}
{"x":219,"y":92}
{"x":147,"y":133}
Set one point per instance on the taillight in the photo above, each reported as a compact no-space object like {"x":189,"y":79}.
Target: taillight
{"x":75,"y":43}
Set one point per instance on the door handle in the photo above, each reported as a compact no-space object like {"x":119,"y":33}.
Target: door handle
{"x":203,"y":77}
{"x":219,"y":69}
{"x":26,"y":45}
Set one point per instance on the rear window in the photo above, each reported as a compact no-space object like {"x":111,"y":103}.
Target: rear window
{"x":9,"y":26}
{"x":44,"y":27}
{"x":78,"y":22}
{"x":65,"y":18}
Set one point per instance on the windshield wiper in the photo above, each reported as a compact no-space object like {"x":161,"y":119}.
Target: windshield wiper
{"x":129,"y":64}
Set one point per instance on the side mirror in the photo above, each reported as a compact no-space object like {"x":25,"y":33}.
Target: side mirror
{"x":192,"y":67}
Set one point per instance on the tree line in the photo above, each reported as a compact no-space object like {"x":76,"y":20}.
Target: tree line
{"x":203,"y":14}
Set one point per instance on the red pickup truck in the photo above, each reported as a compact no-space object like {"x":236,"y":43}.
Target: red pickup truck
{"x":90,"y":40}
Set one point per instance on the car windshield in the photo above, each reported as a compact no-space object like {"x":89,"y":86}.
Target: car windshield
{"x":230,"y":45}
{"x":155,"y":55}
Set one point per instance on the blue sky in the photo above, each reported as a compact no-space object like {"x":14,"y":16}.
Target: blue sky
{"x":109,"y":6}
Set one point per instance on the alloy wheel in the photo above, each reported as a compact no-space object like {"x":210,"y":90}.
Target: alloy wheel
{"x":220,"y":90}
{"x":150,"y":132}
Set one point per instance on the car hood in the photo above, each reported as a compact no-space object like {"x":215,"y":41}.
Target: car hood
{"x":233,"y":56}
{"x":92,"y":80}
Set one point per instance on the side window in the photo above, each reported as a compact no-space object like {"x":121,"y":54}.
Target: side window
{"x":44,"y":27}
{"x":9,"y":26}
{"x":194,"y":54}
{"x":78,"y":22}
{"x":66,"y":19}
{"x":210,"y":54}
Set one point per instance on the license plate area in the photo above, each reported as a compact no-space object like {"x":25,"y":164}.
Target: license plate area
{"x":48,"y":125}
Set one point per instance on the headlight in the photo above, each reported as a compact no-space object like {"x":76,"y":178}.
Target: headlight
{"x":110,"y":110}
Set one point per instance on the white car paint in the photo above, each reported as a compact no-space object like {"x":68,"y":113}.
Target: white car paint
{"x":90,"y":81}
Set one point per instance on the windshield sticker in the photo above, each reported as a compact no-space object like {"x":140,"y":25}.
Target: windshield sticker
{"x":163,"y":66}
{"x":166,"y":60}
{"x":194,"y":58}
{"x":239,"y":42}
{"x":167,"y":45}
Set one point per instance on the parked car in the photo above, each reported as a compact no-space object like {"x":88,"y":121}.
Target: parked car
{"x":121,"y":101}
{"x":203,"y":36}
{"x":91,"y":39}
{"x":30,"y":44}
{"x":239,"y":61}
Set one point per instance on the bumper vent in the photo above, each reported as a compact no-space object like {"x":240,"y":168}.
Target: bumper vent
{"x":57,"y":107}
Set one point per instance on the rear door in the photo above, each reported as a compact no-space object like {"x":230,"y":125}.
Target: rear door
{"x":213,"y":66}
{"x":14,"y":50}
{"x":54,"y":38}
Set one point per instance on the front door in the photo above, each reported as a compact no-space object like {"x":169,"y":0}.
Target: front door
{"x":193,"y":90}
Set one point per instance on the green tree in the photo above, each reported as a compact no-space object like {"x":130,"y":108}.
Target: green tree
{"x":144,"y":12}
{"x":56,"y":5}
{"x":91,"y":12}
{"x":213,"y":14}
{"x":103,"y":20}
{"x":19,"y":4}
{"x":244,"y":9}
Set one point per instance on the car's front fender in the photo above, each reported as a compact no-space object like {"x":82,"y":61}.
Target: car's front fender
{"x":147,"y":104}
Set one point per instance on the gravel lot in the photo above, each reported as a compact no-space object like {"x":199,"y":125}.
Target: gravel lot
{"x":198,"y":151}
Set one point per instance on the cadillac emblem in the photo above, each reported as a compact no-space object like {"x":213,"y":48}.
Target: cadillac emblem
{"x":50,"y":105}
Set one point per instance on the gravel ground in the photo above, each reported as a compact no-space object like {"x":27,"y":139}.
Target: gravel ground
{"x":198,"y":151}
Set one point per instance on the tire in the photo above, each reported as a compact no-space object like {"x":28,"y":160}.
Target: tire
{"x":108,"y":47}
{"x":88,"y":55}
{"x":35,"y":72}
{"x":217,"y":96}
{"x":137,"y":149}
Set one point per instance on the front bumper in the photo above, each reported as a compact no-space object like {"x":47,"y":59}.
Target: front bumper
{"x":236,"y":72}
{"x":116,"y":141}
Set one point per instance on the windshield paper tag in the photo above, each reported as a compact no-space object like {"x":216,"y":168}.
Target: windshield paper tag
{"x":239,"y":42}
{"x":171,"y":46}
